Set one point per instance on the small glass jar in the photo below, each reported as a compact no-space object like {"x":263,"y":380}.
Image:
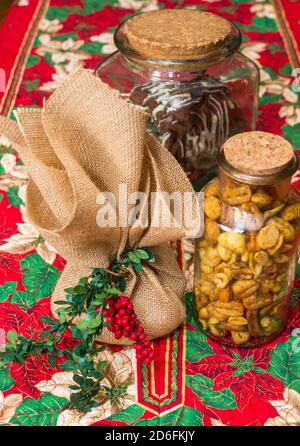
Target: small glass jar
{"x":246,"y":260}
{"x":194,"y":103}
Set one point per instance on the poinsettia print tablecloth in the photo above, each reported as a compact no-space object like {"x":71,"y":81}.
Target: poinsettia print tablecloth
{"x":193,"y":381}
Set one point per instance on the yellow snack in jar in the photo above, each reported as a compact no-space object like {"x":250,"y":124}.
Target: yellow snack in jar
{"x":237,"y":195}
{"x":255,"y":302}
{"x":261,"y":198}
{"x":212,"y":207}
{"x":224,"y":253}
{"x":261,"y":257}
{"x":224,"y":294}
{"x":212,"y":189}
{"x":278,"y":245}
{"x":240,"y":337}
{"x":210,"y":256}
{"x":211,"y":231}
{"x":291,"y":212}
{"x":284,"y":227}
{"x":244,"y":288}
{"x":268,"y":237}
{"x":277,"y":206}
{"x":221,"y":280}
{"x":234,"y":241}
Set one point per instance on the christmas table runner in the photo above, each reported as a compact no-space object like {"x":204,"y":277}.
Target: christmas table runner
{"x":192,"y":381}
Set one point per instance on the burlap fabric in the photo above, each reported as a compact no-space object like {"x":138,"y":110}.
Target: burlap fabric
{"x":84,"y":141}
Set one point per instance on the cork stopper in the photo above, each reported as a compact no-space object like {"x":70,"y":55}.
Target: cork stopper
{"x":179,"y":34}
{"x":258,"y":153}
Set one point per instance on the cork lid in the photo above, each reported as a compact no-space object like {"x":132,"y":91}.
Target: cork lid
{"x":177,"y":33}
{"x":258,"y":153}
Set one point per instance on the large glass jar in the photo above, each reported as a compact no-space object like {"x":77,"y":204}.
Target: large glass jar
{"x":197,"y":94}
{"x":245,"y":262}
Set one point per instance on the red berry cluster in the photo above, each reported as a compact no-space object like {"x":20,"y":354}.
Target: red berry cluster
{"x":123,"y":322}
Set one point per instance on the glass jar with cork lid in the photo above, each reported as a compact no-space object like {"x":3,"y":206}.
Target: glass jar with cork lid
{"x":184,"y":68}
{"x":245,"y":262}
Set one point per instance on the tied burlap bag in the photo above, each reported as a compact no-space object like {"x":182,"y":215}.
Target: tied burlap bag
{"x":87,"y":140}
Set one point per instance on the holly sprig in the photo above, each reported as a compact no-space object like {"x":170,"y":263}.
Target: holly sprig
{"x":82,"y":315}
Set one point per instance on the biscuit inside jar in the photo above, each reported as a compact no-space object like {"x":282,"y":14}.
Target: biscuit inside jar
{"x":249,"y":248}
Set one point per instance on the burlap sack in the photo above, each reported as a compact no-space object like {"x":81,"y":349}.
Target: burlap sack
{"x":87,"y":139}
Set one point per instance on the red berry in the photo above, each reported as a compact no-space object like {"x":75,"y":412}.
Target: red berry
{"x":122,"y":312}
{"x":133,"y":336}
{"x":147,"y":343}
{"x":118,"y":335}
{"x":140,"y":329}
{"x":130,"y":306}
{"x":110,"y":301}
{"x":142,"y":336}
{"x":151,"y":354}
{"x":139,"y":356}
{"x":147,"y":360}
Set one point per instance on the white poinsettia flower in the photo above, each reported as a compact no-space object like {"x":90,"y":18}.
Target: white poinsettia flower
{"x":8,"y":162}
{"x":74,"y":418}
{"x":253,"y":50}
{"x":61,"y":74}
{"x":14,"y":174}
{"x":4,"y":142}
{"x":139,"y":5}
{"x":58,"y":385}
{"x":288,"y":410}
{"x":27,"y":239}
{"x":22,"y":192}
{"x":61,"y":50}
{"x":263,"y":10}
{"x":8,"y":406}
{"x":50,"y":26}
{"x":273,"y":86}
{"x":107,"y":39}
{"x":118,"y":389}
{"x":290,"y":96}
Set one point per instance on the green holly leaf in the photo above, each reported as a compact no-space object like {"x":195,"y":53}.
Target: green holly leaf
{"x":6,"y":290}
{"x":41,"y":412}
{"x":286,"y":70}
{"x":141,"y":254}
{"x":13,"y":197}
{"x":197,"y":383}
{"x":262,"y":25}
{"x":184,"y":416}
{"x":155,"y":421}
{"x":33,"y":60}
{"x":22,"y":299}
{"x":133,"y":257}
{"x":285,"y":362}
{"x":39,"y":277}
{"x":219,"y":399}
{"x":137,"y":267}
{"x":292,"y":134}
{"x":131,"y":415}
{"x":198,"y":348}
{"x":6,"y":381}
{"x":1,"y":196}
{"x":270,"y":99}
